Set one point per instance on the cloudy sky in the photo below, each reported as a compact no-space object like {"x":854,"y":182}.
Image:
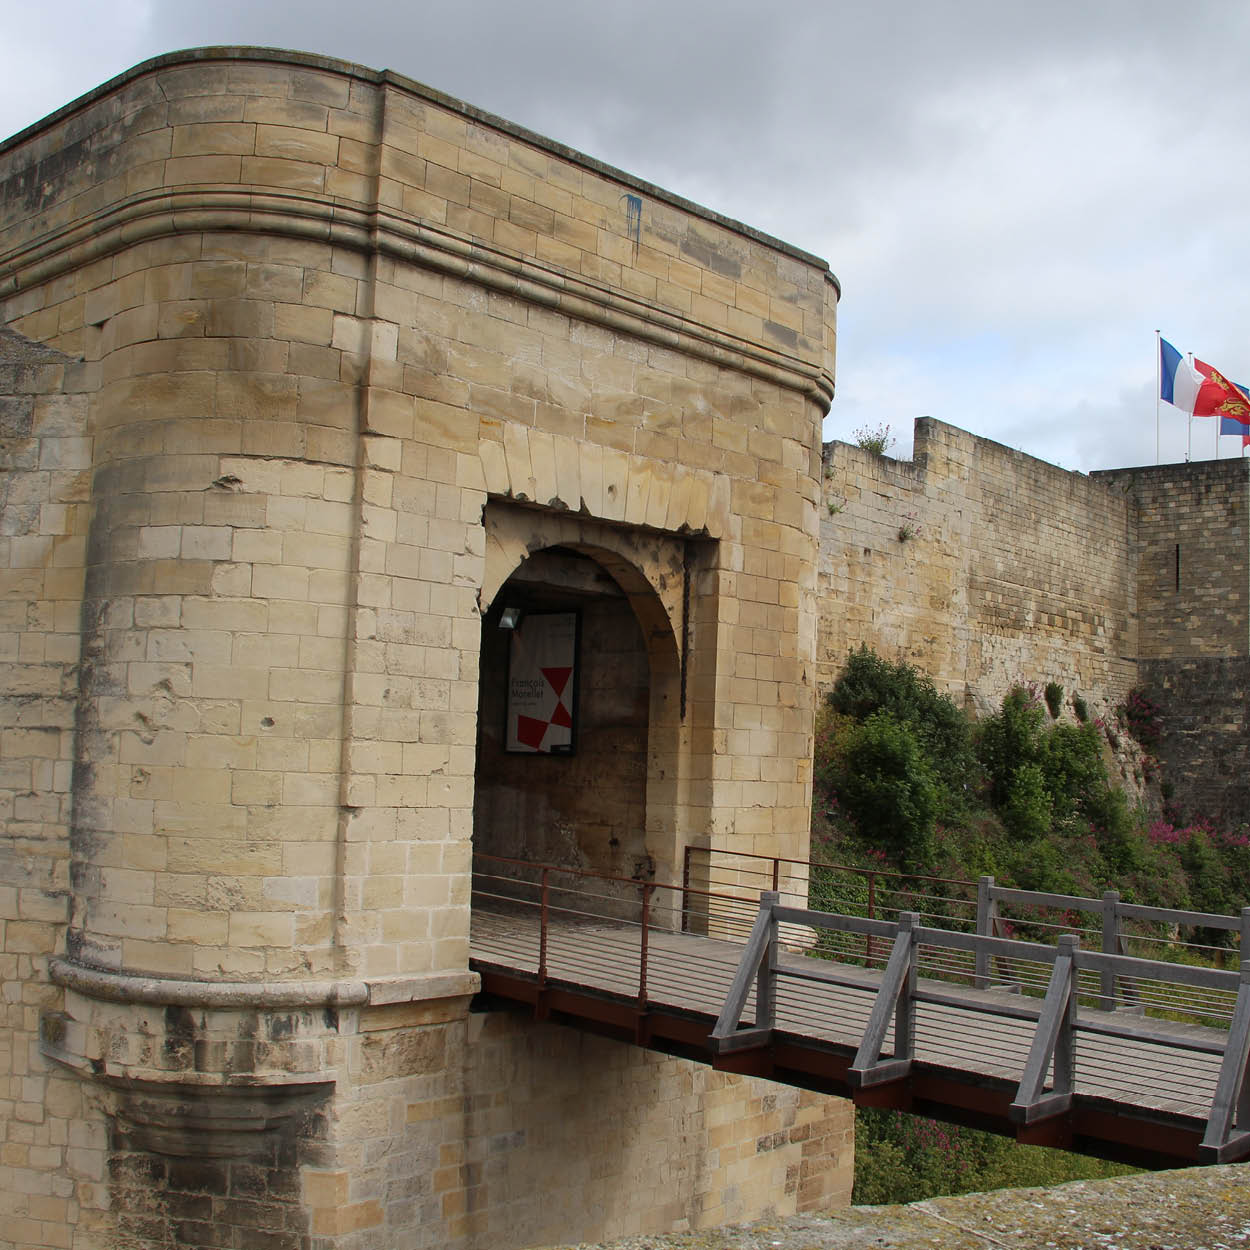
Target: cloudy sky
{"x":1014,"y":196}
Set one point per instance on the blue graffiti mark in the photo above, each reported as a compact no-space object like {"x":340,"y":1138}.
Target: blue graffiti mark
{"x":633,"y":219}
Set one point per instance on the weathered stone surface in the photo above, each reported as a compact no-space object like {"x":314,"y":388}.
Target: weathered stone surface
{"x":301,"y":363}
{"x":1194,"y":1209}
{"x":302,"y":367}
{"x":981,"y":565}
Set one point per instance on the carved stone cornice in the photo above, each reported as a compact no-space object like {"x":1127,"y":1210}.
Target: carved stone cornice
{"x":130,"y":987}
{"x":371,"y":230}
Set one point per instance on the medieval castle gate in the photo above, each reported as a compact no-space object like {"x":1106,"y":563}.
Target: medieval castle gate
{"x":309,"y":374}
{"x":321,"y":368}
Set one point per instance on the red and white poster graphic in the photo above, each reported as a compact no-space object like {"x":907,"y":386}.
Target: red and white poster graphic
{"x":541,"y":669}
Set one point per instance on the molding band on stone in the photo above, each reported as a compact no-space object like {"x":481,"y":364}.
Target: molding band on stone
{"x":206,"y":209}
{"x":386,"y":79}
{"x":130,"y":987}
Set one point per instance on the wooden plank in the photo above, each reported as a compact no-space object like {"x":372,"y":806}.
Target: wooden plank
{"x":1007,"y":948}
{"x":1175,"y":1037}
{"x":837,"y":922}
{"x":1040,"y":898}
{"x":1171,"y":916}
{"x":1224,"y":979}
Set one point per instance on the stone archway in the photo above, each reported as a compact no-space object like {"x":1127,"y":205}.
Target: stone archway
{"x":613,"y":805}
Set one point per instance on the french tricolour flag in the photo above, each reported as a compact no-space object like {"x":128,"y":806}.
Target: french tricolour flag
{"x":1179,"y":382}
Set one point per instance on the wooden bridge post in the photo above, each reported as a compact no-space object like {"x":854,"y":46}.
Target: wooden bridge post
{"x":766,"y":977}
{"x":1065,"y":1042}
{"x":1110,"y":946}
{"x":987,"y":913}
{"x":905,"y":1009}
{"x":1054,"y":1042}
{"x":1228,"y":1126}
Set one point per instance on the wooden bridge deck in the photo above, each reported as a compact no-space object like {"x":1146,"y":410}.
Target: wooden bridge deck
{"x":1133,"y":1097}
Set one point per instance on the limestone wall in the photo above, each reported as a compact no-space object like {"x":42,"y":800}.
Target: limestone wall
{"x":337,"y":355}
{"x":672,"y":1145}
{"x":1192,"y":552}
{"x":44,"y":492}
{"x":979,"y":564}
{"x":408,"y":1125}
{"x":1204,"y":704}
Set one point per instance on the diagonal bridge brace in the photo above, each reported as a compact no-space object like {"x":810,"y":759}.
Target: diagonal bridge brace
{"x":1053,"y":1045}
{"x":758,"y":963}
{"x":896,"y":995}
{"x":1227,"y":1138}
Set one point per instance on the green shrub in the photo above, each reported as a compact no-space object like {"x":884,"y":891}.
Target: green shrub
{"x":905,"y":1158}
{"x":869,"y":684}
{"x":1054,"y":699}
{"x":1071,"y":758}
{"x":1205,"y":872}
{"x":902,"y":780}
{"x":1116,"y":831}
{"x":1008,"y":739}
{"x":1026,"y":811}
{"x":887,"y":787}
{"x":875,"y":439}
{"x":831,"y":730}
{"x":1080,"y":709}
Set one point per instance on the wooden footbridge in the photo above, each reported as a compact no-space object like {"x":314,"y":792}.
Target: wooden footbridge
{"x":974,"y":1004}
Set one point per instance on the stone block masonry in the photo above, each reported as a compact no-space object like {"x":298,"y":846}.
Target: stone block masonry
{"x":307,"y":362}
{"x":981,"y":565}
{"x":1191,"y":551}
{"x":986,"y":568}
{"x":1204,"y":706}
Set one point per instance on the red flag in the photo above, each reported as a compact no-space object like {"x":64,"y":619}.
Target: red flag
{"x":1218,"y":397}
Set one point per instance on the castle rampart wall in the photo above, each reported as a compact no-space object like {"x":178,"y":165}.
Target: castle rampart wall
{"x":981,"y":565}
{"x":1192,"y":554}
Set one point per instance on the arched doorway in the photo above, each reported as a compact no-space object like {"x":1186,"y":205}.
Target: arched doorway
{"x":575,"y":795}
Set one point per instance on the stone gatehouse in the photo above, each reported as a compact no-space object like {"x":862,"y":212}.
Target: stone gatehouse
{"x":308,"y":373}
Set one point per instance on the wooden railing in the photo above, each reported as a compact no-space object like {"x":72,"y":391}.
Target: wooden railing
{"x":1052,"y":1052}
{"x":981,"y":907}
{"x":622,"y":934}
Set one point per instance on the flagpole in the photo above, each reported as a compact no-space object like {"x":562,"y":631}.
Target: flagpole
{"x":1158,"y":387}
{"x":1189,"y":425}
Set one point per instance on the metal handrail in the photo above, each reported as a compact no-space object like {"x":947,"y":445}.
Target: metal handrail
{"x":988,"y":902}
